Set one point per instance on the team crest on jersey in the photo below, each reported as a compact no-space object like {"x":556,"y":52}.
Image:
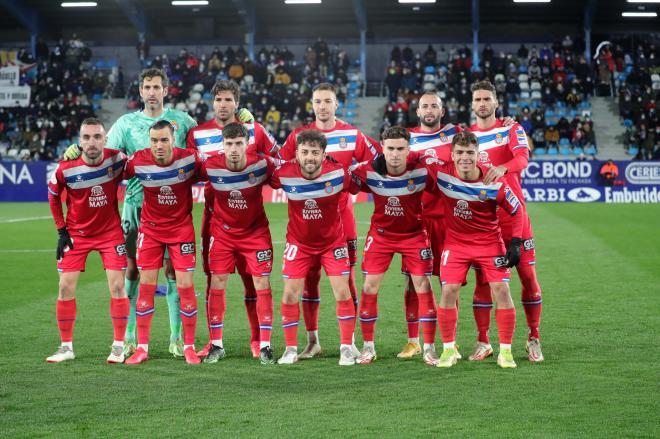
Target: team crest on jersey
{"x":182,"y":174}
{"x":393,"y":207}
{"x":483,"y":196}
{"x":328,"y":187}
{"x":499,"y":138}
{"x":342,"y":143}
{"x":411,"y":185}
{"x":174,"y":125}
{"x":483,"y":157}
{"x":443,"y":137}
{"x":252,"y":179}
{"x":111,"y":172}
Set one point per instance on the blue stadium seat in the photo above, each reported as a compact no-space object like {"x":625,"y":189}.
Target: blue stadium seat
{"x":564,"y":141}
{"x":560,"y":104}
{"x":539,"y":151}
{"x":96,"y":97}
{"x":565,"y":150}
{"x":522,"y":69}
{"x":553,"y":150}
{"x":351,"y":105}
{"x":429,"y":69}
{"x":560,"y":112}
{"x":351,"y":114}
{"x":628,"y":123}
{"x":549,"y":113}
{"x":207,"y":97}
{"x":585,"y":104}
{"x":591,"y":150}
{"x":632,"y":151}
{"x":340,"y":105}
{"x":577,"y":150}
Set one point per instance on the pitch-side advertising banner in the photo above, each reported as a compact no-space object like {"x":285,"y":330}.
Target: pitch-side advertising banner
{"x":14,"y":95}
{"x":584,"y":182}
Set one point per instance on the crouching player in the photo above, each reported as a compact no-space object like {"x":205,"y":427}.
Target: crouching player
{"x":473,"y":237}
{"x":396,"y":227}
{"x":92,"y":224}
{"x":166,"y":174}
{"x":239,"y":229}
{"x":315,"y":237}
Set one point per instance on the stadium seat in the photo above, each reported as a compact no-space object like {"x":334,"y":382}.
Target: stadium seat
{"x":500,"y":78}
{"x":524,"y":85}
{"x":429,"y":70}
{"x":351,"y":105}
{"x":627,"y":123}
{"x":564,"y":141}
{"x":655,"y":77}
{"x":539,"y":151}
{"x":585,"y":104}
{"x":181,"y":106}
{"x":553,"y":150}
{"x":351,"y":114}
{"x":535,"y":85}
{"x":549,"y":113}
{"x":591,"y":150}
{"x":577,"y":150}
{"x":524,"y":94}
{"x":522,"y":68}
{"x":565,"y":150}
{"x":522,"y":77}
{"x":199,"y":88}
{"x":560,"y":104}
{"x":12,"y":154}
{"x":586,"y":113}
{"x":632,"y":150}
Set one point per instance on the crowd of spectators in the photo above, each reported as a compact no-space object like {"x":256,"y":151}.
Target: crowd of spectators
{"x":638,"y":90}
{"x":276,"y":87}
{"x":546,"y":89}
{"x":63,"y":87}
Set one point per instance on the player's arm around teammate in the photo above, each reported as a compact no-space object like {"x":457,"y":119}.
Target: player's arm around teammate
{"x":92,"y":224}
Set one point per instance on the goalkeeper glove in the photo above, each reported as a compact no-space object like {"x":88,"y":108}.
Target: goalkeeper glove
{"x":513,"y":252}
{"x":63,"y":242}
{"x":379,"y":164}
{"x":245,"y":116}
{"x":72,"y":152}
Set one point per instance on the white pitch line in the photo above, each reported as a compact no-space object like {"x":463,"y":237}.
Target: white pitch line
{"x":20,"y":220}
{"x":25,"y":250}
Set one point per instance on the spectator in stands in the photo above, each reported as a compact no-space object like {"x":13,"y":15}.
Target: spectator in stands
{"x":551,"y":136}
{"x":609,"y":172}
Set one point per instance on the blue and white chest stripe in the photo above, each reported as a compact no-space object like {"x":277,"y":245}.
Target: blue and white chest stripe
{"x":460,"y":190}
{"x":226,"y":180}
{"x":388,"y":186}
{"x":302,"y":189}
{"x":155,"y":176}
{"x":84,"y":176}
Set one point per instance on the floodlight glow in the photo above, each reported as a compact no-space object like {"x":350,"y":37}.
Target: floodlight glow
{"x":639,"y":14}
{"x":532,"y":1}
{"x":416,"y":1}
{"x":78,"y":4}
{"x":302,"y":2}
{"x":190,"y":3}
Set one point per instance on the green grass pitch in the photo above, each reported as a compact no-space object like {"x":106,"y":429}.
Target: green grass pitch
{"x":598,"y":266}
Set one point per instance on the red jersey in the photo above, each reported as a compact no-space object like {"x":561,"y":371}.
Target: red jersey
{"x":207,"y":139}
{"x":238,"y":202}
{"x":470,"y":208}
{"x":314,"y":218}
{"x":167,"y":207}
{"x":397,"y":198}
{"x":435,"y":144}
{"x":91,"y":200}
{"x":345,"y":143}
{"x":507,"y":146}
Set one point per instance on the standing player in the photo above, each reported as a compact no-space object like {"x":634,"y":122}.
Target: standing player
{"x":239,"y":229}
{"x":130,"y":133}
{"x":396,"y":227}
{"x":207,"y":138}
{"x":473,"y":238}
{"x":92,"y":223}
{"x":315,"y":236}
{"x":167,"y":175}
{"x":345,"y":144}
{"x":506,"y":151}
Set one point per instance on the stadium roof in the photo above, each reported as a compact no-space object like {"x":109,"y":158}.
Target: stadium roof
{"x":226,"y":19}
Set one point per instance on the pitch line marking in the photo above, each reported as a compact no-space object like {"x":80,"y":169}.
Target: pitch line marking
{"x":20,"y":220}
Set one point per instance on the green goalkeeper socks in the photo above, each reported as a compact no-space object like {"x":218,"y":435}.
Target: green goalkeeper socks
{"x":173,"y":308}
{"x":131,"y":287}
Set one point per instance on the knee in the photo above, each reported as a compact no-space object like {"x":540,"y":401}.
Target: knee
{"x":117,"y":289}
{"x":261,"y":283}
{"x":66,"y":291}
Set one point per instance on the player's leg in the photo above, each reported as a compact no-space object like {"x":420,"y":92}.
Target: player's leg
{"x":217,"y":306}
{"x":206,"y":242}
{"x":482,"y":304}
{"x":119,"y":309}
{"x":411,"y":308}
{"x":144,"y":310}
{"x":454,"y":265}
{"x":505,"y":317}
{"x":368,"y":313}
{"x":65,"y":313}
{"x":130,"y":225}
{"x":250,"y":299}
{"x":173,"y":308}
{"x":311,"y":303}
{"x":531,"y":294}
{"x":350,"y":233}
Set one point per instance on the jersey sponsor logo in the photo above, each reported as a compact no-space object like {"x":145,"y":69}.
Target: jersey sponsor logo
{"x":483,"y":157}
{"x":97,"y":197}
{"x":236,"y":200}
{"x":352,"y":244}
{"x":528,"y":244}
{"x":311,"y":211}
{"x":166,"y":196}
{"x":187,"y":248}
{"x":500,"y":261}
{"x":425,"y":254}
{"x":393,"y":207}
{"x":340,"y":253}
{"x":120,"y":249}
{"x":462,"y":210}
{"x":264,"y":255}
{"x":430,"y":153}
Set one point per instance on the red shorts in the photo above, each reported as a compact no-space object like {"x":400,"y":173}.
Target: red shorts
{"x":416,"y":254}
{"x":110,"y":245}
{"x":298,"y":260}
{"x":456,"y":262}
{"x":350,"y":229}
{"x":150,"y":251}
{"x":527,"y":248}
{"x":435,"y":227}
{"x":253,"y":255}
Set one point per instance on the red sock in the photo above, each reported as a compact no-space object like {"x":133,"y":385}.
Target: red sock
{"x":506,"y":324}
{"x":144,"y":311}
{"x":65,"y":313}
{"x":447,"y":318}
{"x":250,"y":295}
{"x":188,"y":314}
{"x":531,"y":298}
{"x":346,"y":317}
{"x":206,"y":303}
{"x":368,"y":315}
{"x":353,"y":289}
{"x":482,"y":304}
{"x":216,"y":318}
{"x":290,"y":317}
{"x":427,"y":315}
{"x":311,"y":299}
{"x":412,"y":312}
{"x":119,"y":309}
{"x":265,"y":314}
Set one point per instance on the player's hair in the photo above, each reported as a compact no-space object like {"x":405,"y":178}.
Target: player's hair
{"x":92,"y":121}
{"x":395,"y":132}
{"x":159,"y":125}
{"x":313,"y":137}
{"x":234,"y":130}
{"x":152,"y":72}
{"x":226,"y":85}
{"x":325,"y":86}
{"x":464,"y":138}
{"x":432,"y":93}
{"x":483,"y":85}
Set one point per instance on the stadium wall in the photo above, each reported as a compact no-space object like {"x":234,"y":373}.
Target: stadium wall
{"x":543,"y":181}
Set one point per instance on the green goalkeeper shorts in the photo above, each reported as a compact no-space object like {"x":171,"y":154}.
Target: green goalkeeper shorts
{"x":130,"y":222}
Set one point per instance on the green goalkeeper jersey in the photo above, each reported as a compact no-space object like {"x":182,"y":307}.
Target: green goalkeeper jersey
{"x":131,"y":133}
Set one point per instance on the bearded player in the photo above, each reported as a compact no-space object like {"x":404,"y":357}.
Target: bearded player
{"x":473,"y":237}
{"x":92,"y":224}
{"x":314,"y":186}
{"x":505,"y":150}
{"x":208,"y":138}
{"x":345,"y":144}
